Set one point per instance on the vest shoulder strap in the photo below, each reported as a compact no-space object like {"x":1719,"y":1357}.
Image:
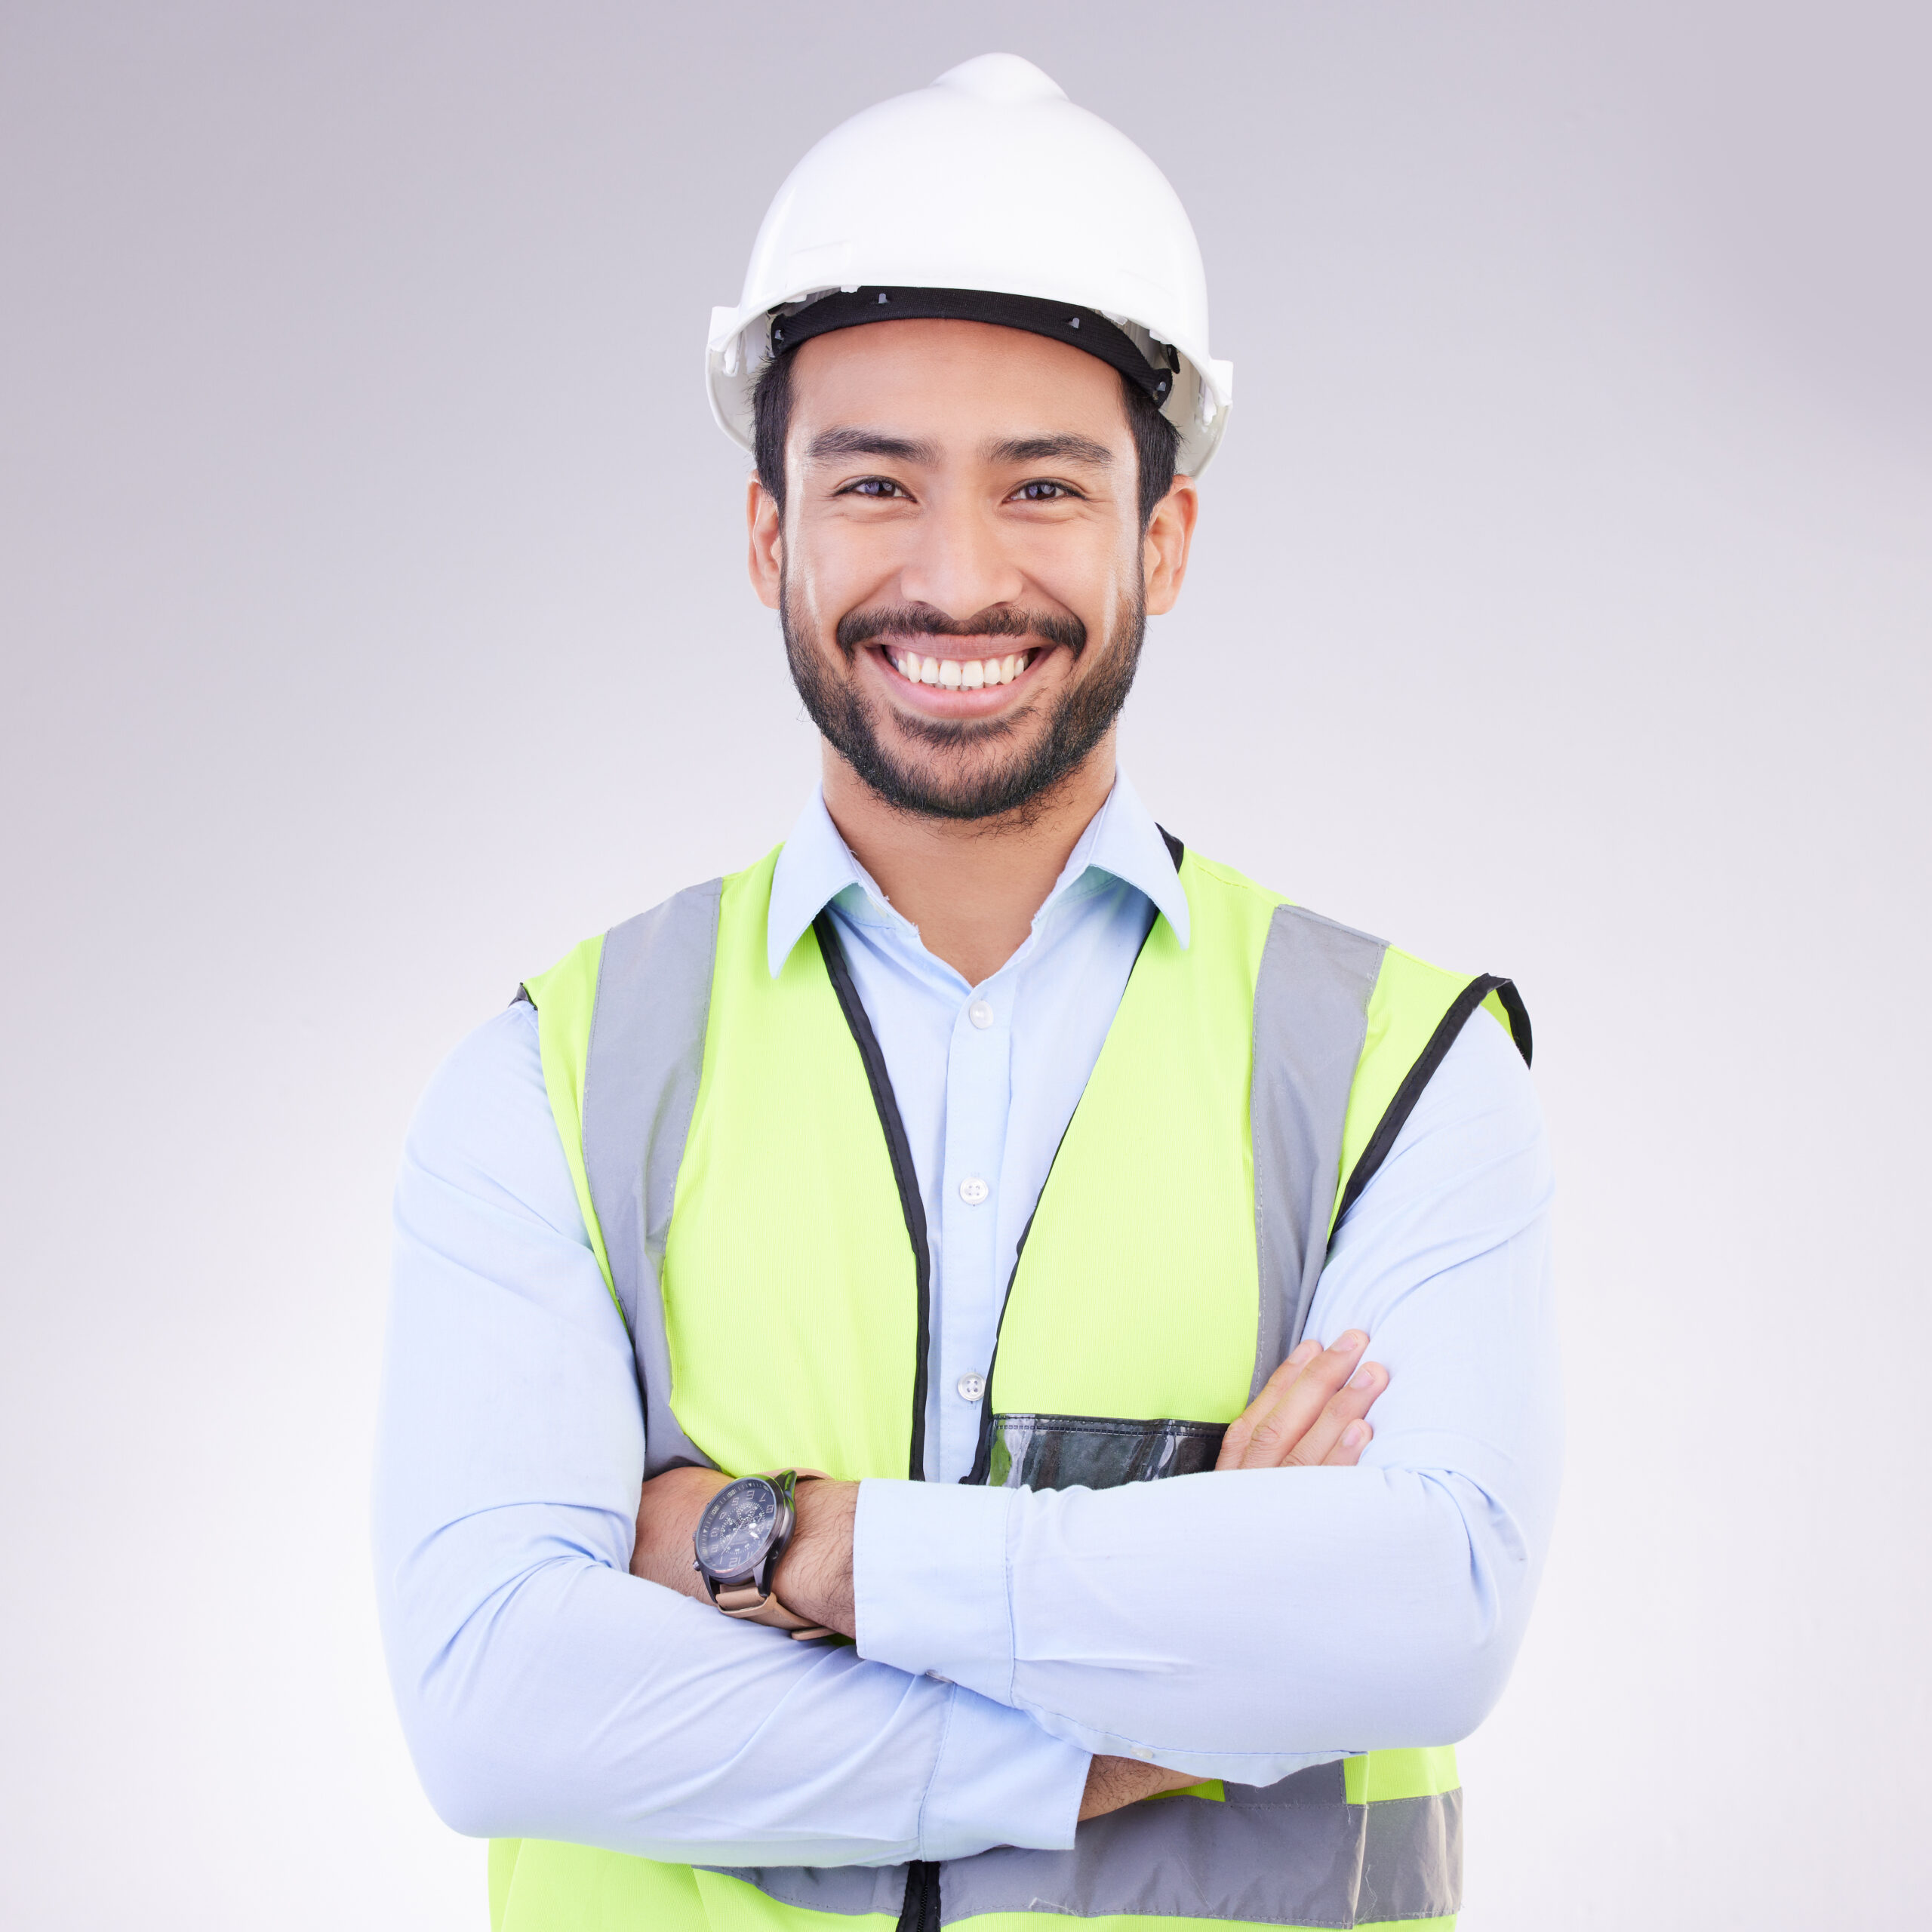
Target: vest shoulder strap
{"x":621,"y":1022}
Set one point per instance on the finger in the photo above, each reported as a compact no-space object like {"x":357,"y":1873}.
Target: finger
{"x":1349,"y":1446}
{"x":1235,"y":1441}
{"x":1297,"y":1400}
{"x":1276,"y":1433}
{"x":1347,"y":1405}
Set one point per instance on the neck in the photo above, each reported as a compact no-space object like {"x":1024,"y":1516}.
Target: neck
{"x":971,"y":886}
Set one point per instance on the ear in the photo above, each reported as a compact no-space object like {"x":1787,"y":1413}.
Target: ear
{"x":765,"y":525}
{"x":1164,"y":550}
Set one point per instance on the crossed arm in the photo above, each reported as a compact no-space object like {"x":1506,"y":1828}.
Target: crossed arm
{"x":1311,"y":1412}
{"x":1019,"y":1657}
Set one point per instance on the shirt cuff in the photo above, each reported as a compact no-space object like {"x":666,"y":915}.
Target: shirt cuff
{"x":1000,"y":1779}
{"x":930,"y":1581}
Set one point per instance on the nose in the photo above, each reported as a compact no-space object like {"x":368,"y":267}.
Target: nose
{"x":956,"y":562}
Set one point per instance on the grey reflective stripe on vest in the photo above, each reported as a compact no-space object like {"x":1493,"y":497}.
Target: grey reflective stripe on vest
{"x":640,"y":1088}
{"x":1292,"y":1854}
{"x":1311,"y":1018}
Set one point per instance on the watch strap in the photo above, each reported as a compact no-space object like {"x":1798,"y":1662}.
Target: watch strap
{"x":750,"y":1604}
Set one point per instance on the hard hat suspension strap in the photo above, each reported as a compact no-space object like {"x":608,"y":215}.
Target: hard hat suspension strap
{"x":1059,"y":321}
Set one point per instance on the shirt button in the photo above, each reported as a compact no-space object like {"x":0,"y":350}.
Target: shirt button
{"x":980,"y":1013}
{"x":972,"y":1385}
{"x":973,"y":1190}
{"x":1142,"y":1752}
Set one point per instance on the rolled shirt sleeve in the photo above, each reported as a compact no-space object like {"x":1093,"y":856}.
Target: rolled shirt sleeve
{"x":544,"y":1691}
{"x":1243,"y":1625}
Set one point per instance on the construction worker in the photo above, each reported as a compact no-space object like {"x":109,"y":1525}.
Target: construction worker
{"x":880,"y":1425}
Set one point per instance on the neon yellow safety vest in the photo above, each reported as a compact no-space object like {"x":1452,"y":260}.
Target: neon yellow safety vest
{"x":748,"y":1189}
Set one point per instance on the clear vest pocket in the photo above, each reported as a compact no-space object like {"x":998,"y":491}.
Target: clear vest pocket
{"x":1097,"y":1452}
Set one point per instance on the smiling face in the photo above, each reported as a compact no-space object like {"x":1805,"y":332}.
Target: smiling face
{"x":959,"y":567}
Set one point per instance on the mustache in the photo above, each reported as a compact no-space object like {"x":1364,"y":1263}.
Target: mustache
{"x":858,"y":627}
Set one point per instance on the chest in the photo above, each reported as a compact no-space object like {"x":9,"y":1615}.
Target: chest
{"x":798,"y":1277}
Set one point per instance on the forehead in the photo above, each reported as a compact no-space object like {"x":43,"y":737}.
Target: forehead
{"x":967,"y":383}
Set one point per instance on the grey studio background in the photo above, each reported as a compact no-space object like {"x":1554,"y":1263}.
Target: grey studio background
{"x":375,"y":626}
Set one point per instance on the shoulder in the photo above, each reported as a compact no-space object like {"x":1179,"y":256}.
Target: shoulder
{"x":496,"y":1069}
{"x":484,"y":1127}
{"x":1482,"y":1078}
{"x":1473,"y":1153}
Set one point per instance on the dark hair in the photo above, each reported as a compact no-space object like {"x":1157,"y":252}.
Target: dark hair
{"x":1155,"y":439}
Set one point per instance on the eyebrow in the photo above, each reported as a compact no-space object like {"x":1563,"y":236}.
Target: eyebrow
{"x":1066,"y":447}
{"x":829,"y":444}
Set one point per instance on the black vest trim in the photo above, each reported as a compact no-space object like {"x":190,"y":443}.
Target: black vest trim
{"x":911,"y":1204}
{"x":1448,"y":1028}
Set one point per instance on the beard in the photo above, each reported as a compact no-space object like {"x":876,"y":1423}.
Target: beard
{"x":976,"y":768}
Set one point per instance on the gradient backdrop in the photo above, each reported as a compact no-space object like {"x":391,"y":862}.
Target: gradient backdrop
{"x":375,"y":625}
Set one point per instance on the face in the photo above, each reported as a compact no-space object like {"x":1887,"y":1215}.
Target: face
{"x":960,"y":569}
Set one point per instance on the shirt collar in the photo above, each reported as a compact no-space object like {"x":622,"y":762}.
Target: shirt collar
{"x":816,"y":866}
{"x":1128,"y":843}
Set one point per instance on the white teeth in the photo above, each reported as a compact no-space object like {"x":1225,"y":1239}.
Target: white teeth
{"x":969,"y":674}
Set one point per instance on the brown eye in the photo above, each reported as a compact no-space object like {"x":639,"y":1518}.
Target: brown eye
{"x":1041,"y":493}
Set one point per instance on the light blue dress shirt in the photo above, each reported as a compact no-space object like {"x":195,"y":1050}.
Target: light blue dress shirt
{"x":1237,"y":1625}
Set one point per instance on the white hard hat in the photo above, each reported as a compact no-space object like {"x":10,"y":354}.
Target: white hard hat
{"x":992,"y":184}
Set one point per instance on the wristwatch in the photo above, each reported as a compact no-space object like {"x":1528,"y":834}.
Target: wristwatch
{"x":741,"y":1538}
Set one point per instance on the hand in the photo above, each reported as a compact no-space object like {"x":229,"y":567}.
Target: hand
{"x":1113,"y":1783}
{"x":1309,"y":1412}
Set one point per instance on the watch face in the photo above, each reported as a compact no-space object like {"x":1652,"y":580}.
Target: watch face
{"x":736,"y":1527}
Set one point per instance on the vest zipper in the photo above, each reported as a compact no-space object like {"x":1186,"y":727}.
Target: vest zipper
{"x":920,"y":1913}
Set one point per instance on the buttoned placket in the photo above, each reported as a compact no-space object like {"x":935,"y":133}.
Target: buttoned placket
{"x":963,"y":1220}
{"x":979,"y":1084}
{"x":969,"y":1286}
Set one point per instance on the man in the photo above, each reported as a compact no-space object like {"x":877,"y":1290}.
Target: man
{"x":962,"y":1231}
